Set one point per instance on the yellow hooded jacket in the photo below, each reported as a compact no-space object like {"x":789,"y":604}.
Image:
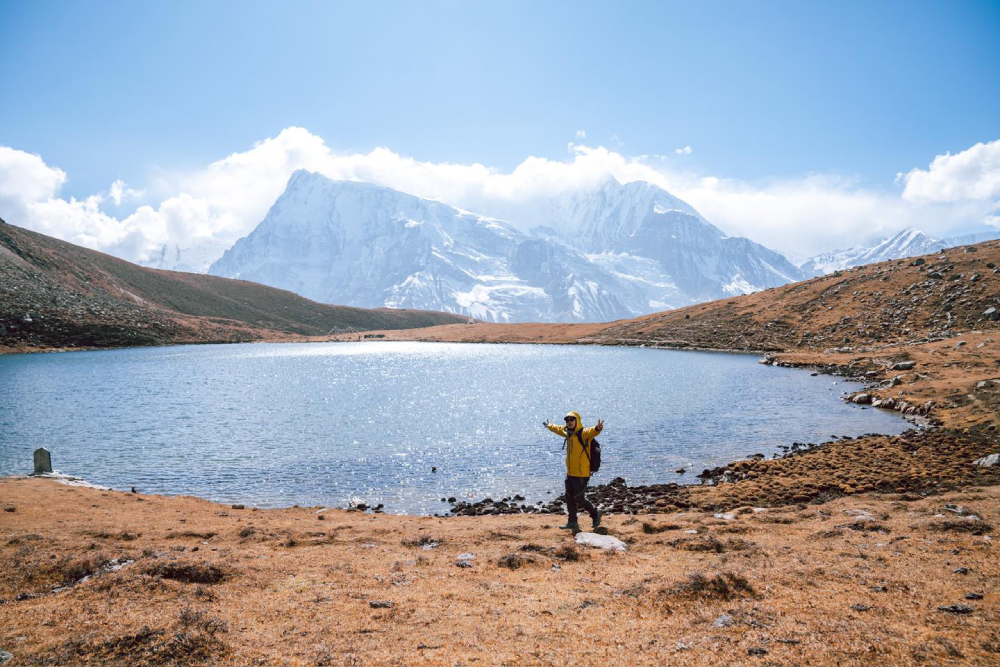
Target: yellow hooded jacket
{"x":577,"y":463}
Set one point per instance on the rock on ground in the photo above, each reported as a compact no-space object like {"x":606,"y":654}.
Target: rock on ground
{"x":989,"y":461}
{"x":600,"y":541}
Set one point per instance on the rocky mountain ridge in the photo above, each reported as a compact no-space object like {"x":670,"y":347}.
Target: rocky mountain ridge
{"x":620,"y":251}
{"x":909,"y":242}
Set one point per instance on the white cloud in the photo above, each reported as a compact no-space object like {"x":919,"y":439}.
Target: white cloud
{"x":683,"y":151}
{"x":24,"y":177}
{"x":212,"y":207}
{"x":120,"y":192}
{"x":581,"y":134}
{"x":973,"y":174}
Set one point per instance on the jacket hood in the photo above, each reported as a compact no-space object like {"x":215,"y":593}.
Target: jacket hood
{"x":579,"y":422}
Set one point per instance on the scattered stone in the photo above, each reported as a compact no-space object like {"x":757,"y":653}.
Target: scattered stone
{"x":465,"y":559}
{"x":515,"y":561}
{"x":724,"y":517}
{"x":380,"y":604}
{"x":756,"y":651}
{"x":860,"y":607}
{"x":238,"y":507}
{"x":5,"y":657}
{"x":43,"y":461}
{"x":606,"y":542}
{"x":973,"y":596}
{"x":904,"y":365}
{"x":961,"y":570}
{"x":957,"y":609}
{"x":991,"y":313}
{"x":724,"y":621}
{"x":988,"y":461}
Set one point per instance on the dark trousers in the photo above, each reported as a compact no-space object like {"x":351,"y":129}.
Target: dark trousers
{"x":575,"y":488}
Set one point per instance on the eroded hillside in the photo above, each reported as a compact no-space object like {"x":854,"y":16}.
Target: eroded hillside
{"x":54,"y":294}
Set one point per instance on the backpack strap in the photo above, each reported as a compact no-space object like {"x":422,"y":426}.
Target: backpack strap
{"x":583,"y":446}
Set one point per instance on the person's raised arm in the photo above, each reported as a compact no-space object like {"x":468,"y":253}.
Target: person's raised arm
{"x":594,"y":431}
{"x":558,"y":430}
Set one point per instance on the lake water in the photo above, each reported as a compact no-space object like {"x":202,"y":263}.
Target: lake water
{"x":327,"y":424}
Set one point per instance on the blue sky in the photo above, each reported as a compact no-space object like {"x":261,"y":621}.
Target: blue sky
{"x":106,"y":90}
{"x":775,"y":99}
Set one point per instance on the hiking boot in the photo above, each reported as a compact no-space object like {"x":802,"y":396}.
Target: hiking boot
{"x":572,"y":525}
{"x":597,"y":518}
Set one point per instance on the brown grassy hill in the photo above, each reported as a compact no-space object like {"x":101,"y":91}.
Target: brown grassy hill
{"x":56,"y":294}
{"x":900,"y":301}
{"x":907,"y":301}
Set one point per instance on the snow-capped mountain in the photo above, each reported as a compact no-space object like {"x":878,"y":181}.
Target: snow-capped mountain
{"x":970,"y":239}
{"x":907,"y":243}
{"x":196,"y":257}
{"x":618,"y":251}
{"x":355,"y":243}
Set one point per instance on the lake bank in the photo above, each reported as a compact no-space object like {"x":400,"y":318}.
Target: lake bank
{"x":181,"y":581}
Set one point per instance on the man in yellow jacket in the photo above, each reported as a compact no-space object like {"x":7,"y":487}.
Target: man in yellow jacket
{"x":578,"y":440}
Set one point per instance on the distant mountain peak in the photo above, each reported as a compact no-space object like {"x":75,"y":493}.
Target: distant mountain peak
{"x":908,"y":242}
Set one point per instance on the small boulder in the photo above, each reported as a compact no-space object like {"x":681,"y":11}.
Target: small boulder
{"x":904,"y":365}
{"x":724,"y":621}
{"x":988,"y":461}
{"x":957,"y":609}
{"x":606,"y":542}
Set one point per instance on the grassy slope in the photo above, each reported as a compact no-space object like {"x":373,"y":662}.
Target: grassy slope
{"x":894,"y":302}
{"x":87,"y":298}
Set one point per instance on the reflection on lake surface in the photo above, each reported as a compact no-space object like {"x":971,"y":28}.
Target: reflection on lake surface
{"x":325,"y":424}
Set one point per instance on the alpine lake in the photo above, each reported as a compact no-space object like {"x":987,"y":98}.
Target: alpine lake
{"x":402,"y":424}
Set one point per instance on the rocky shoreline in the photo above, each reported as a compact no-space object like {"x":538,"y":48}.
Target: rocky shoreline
{"x":617,"y":497}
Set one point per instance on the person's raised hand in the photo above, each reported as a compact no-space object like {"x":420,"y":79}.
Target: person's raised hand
{"x":600,"y":424}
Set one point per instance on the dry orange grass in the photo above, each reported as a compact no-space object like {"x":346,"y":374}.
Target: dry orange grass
{"x":218,"y":586}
